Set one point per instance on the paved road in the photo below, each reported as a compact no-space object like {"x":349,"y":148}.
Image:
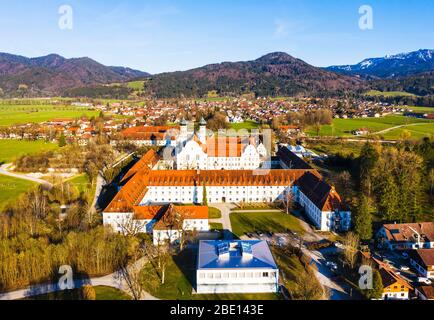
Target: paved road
{"x":4,"y":170}
{"x":100,"y":182}
{"x":225,"y":220}
{"x":338,"y":291}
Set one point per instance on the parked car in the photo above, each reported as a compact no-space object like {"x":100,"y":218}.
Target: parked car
{"x":332,"y":265}
{"x":424,"y":280}
{"x":338,"y":244}
{"x":404,"y":268}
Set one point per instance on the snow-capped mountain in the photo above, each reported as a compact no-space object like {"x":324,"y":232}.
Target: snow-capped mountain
{"x":391,"y":66}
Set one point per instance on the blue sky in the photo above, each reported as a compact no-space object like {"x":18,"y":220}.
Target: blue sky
{"x":168,"y":35}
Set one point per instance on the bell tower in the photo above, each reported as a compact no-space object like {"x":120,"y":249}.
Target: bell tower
{"x":202,"y":130}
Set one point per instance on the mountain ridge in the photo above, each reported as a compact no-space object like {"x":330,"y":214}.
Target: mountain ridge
{"x":390,"y":66}
{"x":52,"y":74}
{"x":273,"y":74}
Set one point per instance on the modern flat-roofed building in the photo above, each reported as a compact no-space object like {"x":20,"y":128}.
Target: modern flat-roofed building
{"x":236,"y":267}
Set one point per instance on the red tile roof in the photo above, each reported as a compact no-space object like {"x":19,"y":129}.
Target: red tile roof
{"x":147,"y":162}
{"x":404,"y":232}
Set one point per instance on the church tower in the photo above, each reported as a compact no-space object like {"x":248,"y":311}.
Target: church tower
{"x":183,"y":131}
{"x":202,"y":131}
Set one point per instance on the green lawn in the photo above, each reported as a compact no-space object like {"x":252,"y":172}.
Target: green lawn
{"x":243,"y":223}
{"x":420,"y":109}
{"x":214,"y":213}
{"x":81,"y":181}
{"x":247,"y":125}
{"x":417,"y":132}
{"x":16,"y":114}
{"x":136,"y":85}
{"x":344,"y":127}
{"x":334,"y":147}
{"x":102,"y":293}
{"x":111,"y":294}
{"x":216,"y":226}
{"x":376,"y":93}
{"x":10,"y":150}
{"x":12,"y":188}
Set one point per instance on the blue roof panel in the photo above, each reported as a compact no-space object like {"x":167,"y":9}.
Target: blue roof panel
{"x":235,"y":254}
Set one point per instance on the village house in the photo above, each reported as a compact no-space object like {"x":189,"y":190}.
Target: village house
{"x":425,"y":292}
{"x":395,"y":287}
{"x":423,"y":261}
{"x":406,"y":236}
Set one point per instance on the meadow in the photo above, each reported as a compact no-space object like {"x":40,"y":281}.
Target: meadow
{"x":10,"y":150}
{"x":420,"y":109}
{"x":247,"y":125}
{"x":344,"y":127}
{"x":387,"y":94}
{"x":12,"y":189}
{"x":17,"y":114}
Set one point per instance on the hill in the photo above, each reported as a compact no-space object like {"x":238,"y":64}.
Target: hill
{"x":53,"y":74}
{"x":275,"y":74}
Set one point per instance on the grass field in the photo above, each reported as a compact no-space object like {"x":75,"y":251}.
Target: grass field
{"x":376,"y":93}
{"x":420,"y":109}
{"x":216,"y":226}
{"x":12,"y":189}
{"x":417,"y":131}
{"x":13,"y":149}
{"x":16,"y":114}
{"x":243,"y":223}
{"x":247,"y":125}
{"x":344,"y":127}
{"x":102,"y":293}
{"x":214,"y":213}
{"x":82,"y":182}
{"x":136,"y":85}
{"x":336,"y":146}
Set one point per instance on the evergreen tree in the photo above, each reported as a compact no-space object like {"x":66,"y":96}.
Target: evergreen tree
{"x":205,"y":196}
{"x":377,"y":287}
{"x":367,"y":163}
{"x":62,"y":140}
{"x":389,"y":198}
{"x":363,"y":219}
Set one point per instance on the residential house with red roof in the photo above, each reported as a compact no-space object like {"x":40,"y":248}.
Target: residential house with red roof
{"x":405,"y":236}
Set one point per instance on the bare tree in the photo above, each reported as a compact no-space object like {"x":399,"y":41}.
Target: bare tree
{"x":351,"y":245}
{"x":288,"y":201}
{"x":131,"y":227}
{"x":307,"y":286}
{"x":132,"y":274}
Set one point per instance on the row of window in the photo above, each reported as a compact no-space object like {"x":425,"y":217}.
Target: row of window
{"x":237,"y":275}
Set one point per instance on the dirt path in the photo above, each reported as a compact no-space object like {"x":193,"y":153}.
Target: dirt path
{"x":4,"y":170}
